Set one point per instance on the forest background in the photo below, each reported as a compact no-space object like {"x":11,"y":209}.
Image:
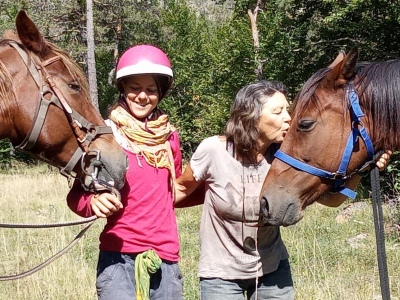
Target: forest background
{"x":212,"y":51}
{"x":211,"y":48}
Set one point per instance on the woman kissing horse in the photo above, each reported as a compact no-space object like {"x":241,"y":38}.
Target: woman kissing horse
{"x":64,"y":130}
{"x":343,"y":115}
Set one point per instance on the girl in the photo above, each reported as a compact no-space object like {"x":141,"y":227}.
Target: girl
{"x":139,"y":245}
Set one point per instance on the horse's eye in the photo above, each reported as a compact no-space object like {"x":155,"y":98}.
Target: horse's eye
{"x":74,"y":86}
{"x":306,"y":125}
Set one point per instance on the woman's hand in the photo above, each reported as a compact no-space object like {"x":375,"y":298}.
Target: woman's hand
{"x":383,"y":160}
{"x":105,"y":204}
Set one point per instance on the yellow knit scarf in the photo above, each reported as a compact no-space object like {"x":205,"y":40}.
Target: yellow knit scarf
{"x":148,"y":139}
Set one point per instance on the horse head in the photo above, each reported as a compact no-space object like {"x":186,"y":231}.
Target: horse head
{"x":342,"y":115}
{"x":45,"y":109}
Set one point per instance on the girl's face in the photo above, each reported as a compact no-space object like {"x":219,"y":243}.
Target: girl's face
{"x":141,"y":94}
{"x":274,"y":120}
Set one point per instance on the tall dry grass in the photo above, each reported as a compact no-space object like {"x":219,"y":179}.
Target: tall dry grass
{"x":324,"y":264}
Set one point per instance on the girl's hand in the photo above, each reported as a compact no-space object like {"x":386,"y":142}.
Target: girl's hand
{"x":105,"y":204}
{"x":383,"y":160}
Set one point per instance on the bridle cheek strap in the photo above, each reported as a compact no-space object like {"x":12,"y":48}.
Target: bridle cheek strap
{"x":340,"y":176}
{"x":84,"y":130}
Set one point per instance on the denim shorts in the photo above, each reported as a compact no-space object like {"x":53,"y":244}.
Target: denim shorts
{"x":116,"y":279}
{"x":275,"y":285}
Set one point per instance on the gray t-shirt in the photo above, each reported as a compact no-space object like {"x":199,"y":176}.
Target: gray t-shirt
{"x":222,"y":229}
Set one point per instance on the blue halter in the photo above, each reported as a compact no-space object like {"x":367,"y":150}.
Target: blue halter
{"x":340,"y":175}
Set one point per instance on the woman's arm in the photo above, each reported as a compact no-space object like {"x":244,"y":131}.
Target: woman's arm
{"x":187,"y":185}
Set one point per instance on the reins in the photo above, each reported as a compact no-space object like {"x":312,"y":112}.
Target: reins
{"x":88,"y":221}
{"x":340,"y":176}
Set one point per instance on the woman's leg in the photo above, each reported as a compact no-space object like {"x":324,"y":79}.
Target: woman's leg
{"x":220,"y":289}
{"x":275,"y":285}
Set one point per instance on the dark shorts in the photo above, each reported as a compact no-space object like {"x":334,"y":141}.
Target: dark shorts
{"x":116,"y":278}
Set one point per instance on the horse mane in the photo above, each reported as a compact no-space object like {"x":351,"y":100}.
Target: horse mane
{"x":378,"y":88}
{"x":378,"y":85}
{"x":72,"y":67}
{"x":306,"y":95}
{"x":7,"y":93}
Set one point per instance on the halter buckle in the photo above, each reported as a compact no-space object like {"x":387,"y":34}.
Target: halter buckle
{"x":339,"y":176}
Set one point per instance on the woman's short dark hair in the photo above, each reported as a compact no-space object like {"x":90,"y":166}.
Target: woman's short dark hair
{"x":245,"y":112}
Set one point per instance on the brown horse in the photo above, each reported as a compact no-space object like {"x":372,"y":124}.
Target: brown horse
{"x":342,"y":116}
{"x":45,"y":110}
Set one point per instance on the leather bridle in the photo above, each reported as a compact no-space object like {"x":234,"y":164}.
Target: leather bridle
{"x":83,"y":130}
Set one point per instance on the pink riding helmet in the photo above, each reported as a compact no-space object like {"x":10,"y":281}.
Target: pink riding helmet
{"x":145,"y":59}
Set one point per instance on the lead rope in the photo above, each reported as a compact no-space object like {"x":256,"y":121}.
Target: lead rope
{"x":256,"y":291}
{"x":89,"y":222}
{"x":380,"y":234}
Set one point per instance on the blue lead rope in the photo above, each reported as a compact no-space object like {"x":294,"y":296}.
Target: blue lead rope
{"x":340,"y":175}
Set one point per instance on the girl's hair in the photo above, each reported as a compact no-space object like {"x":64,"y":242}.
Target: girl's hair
{"x":241,"y":127}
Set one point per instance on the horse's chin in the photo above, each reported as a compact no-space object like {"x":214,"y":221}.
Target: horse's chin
{"x":331,"y":199}
{"x":103,"y":177}
{"x":292,"y":218}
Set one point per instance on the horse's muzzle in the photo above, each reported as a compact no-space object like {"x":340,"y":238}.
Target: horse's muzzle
{"x":285,"y":214}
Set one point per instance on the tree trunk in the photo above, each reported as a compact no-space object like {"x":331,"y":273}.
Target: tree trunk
{"x":91,"y":60}
{"x":116,"y":53}
{"x":256,"y":43}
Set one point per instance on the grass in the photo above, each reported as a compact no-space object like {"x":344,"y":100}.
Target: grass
{"x":324,"y":265}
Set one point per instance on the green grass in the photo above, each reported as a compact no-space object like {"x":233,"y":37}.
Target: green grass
{"x":324,"y":265}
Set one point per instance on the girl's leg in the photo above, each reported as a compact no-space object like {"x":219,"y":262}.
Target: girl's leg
{"x":115,"y":276}
{"x":167,"y":283}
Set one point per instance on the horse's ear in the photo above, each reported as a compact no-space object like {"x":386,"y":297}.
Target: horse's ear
{"x":342,"y":70}
{"x":30,"y":35}
{"x":338,"y":59}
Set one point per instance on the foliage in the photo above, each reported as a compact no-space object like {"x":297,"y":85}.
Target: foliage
{"x":211,"y":48}
{"x":389,"y":181}
{"x":5,"y":152}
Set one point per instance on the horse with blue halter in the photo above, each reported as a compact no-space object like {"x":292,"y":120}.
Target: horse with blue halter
{"x":45,"y":110}
{"x":342,"y":116}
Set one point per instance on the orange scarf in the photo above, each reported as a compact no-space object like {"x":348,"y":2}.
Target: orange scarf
{"x":148,"y":139}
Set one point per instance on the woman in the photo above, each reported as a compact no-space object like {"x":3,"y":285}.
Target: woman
{"x":139,"y":245}
{"x":237,"y":258}
{"x":236,"y":254}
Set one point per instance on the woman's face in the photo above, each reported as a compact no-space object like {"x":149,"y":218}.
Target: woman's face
{"x":141,"y":94}
{"x":274,"y":120}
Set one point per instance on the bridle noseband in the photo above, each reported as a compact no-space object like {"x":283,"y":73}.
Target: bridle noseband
{"x":358,"y":130}
{"x":83,"y":130}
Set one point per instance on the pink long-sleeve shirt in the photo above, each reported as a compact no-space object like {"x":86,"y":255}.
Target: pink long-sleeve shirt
{"x":147,"y":220}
